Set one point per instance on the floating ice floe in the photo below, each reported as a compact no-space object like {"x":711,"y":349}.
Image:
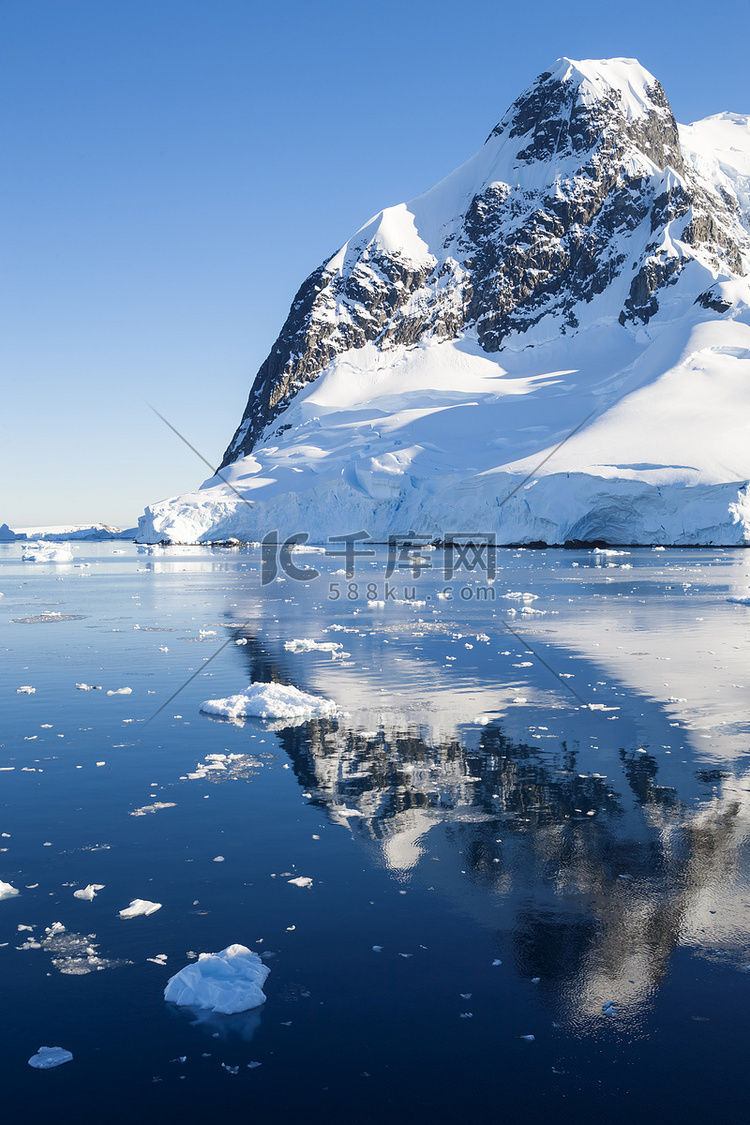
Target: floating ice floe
{"x":46,"y":552}
{"x":225,"y":767}
{"x":301,"y":881}
{"x":25,"y":690}
{"x":306,"y":645}
{"x":6,"y":891}
{"x":47,"y":1057}
{"x":121,"y":691}
{"x":72,"y":954}
{"x":140,"y":906}
{"x":88,"y":687}
{"x":269,"y":701}
{"x":227,"y":982}
{"x":88,"y":893}
{"x":157,"y":805}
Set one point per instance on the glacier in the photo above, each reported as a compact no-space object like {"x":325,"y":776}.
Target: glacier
{"x":550,"y":345}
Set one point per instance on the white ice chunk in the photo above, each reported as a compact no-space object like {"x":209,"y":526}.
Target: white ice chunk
{"x":121,"y":691}
{"x":269,"y":701}
{"x":6,"y":891}
{"x":140,"y":906}
{"x":88,"y":893}
{"x":47,"y":1057}
{"x":226,"y":982}
{"x":301,"y":881}
{"x":157,"y":805}
{"x":47,"y":552}
{"x":304,"y":644}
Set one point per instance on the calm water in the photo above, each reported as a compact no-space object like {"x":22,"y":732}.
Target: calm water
{"x":536,"y":807}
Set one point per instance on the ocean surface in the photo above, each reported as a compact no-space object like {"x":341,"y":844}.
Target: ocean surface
{"x":525,"y":834}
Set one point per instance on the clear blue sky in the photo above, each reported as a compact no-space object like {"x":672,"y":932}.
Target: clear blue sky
{"x":173,"y":170}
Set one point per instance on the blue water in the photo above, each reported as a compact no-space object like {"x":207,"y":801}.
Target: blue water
{"x":467,"y":807}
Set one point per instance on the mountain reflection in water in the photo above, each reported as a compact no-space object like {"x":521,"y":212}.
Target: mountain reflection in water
{"x":603,"y":876}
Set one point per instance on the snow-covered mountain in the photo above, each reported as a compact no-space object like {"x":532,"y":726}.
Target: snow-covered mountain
{"x":553,"y":343}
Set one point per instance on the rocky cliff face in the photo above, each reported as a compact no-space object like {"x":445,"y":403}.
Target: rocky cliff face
{"x":580,"y":194}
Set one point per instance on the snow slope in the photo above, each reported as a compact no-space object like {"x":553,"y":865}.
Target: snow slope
{"x":553,"y":343}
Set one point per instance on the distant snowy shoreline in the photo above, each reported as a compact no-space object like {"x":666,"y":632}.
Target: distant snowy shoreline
{"x":61,"y":533}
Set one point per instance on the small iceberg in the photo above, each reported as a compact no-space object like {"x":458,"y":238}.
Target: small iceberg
{"x":88,"y":893}
{"x":227,"y":982}
{"x":269,"y":701}
{"x":47,"y":1057}
{"x":6,"y":891}
{"x":140,"y":906}
{"x":47,"y":553}
{"x":306,"y":645}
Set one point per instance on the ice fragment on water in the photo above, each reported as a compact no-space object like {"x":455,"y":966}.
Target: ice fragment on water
{"x":140,"y":906}
{"x":157,"y":805}
{"x":6,"y":891}
{"x":47,"y":1057}
{"x":301,"y":881}
{"x":89,"y":893}
{"x":269,"y":701}
{"x":226,"y":982}
{"x":304,"y":644}
{"x":121,"y":691}
{"x":25,"y":690}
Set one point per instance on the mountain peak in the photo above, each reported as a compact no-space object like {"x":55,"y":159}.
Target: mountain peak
{"x":577,"y":107}
{"x":455,"y":342}
{"x":580,"y":209}
{"x":597,"y":78}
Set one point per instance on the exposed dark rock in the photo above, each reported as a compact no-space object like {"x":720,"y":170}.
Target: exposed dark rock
{"x":653,"y":275}
{"x":713,"y":300}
